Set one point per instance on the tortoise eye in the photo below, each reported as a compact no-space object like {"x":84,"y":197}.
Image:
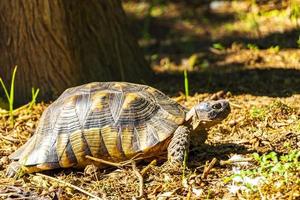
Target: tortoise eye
{"x":217,"y":106}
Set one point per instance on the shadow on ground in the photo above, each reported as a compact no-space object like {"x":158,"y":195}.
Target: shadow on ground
{"x":169,"y":35}
{"x":220,"y":151}
{"x":192,"y":44}
{"x":273,"y":82}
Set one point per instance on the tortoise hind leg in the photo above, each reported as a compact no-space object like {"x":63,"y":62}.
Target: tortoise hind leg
{"x":179,"y":145}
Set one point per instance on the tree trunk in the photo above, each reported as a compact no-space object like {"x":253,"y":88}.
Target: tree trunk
{"x":62,"y":43}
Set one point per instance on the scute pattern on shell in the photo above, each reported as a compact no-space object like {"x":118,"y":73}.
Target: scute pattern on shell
{"x":110,"y":120}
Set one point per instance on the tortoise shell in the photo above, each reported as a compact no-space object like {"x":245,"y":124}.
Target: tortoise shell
{"x":113,"y":121}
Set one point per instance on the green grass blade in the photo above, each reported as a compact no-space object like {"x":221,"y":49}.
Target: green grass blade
{"x":12,"y":90}
{"x":36,"y":93}
{"x":186,"y":84}
{"x":34,"y":96}
{"x":5,"y":89}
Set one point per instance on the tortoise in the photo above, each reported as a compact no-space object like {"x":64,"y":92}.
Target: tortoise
{"x":114,"y":121}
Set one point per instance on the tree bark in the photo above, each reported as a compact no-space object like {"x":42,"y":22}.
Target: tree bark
{"x":62,"y":43}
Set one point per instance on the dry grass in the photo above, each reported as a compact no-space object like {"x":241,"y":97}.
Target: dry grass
{"x":275,"y":127}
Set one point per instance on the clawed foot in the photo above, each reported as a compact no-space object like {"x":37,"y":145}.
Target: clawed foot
{"x":14,"y":170}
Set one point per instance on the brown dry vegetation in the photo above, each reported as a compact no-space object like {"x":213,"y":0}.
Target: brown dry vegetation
{"x":245,"y":53}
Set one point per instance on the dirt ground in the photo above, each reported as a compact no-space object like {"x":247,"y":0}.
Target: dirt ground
{"x":247,"y":53}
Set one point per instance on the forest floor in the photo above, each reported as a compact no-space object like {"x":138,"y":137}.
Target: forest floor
{"x":246,"y":53}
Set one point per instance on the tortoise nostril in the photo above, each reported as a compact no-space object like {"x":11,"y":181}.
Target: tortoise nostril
{"x":217,"y":106}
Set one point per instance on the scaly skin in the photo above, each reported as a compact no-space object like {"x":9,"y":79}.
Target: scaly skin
{"x":199,"y":118}
{"x":179,"y":145}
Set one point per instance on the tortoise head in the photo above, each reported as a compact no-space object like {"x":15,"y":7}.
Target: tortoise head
{"x":208,"y":113}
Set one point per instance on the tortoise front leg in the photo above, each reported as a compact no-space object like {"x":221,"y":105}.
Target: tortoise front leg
{"x":179,"y":145}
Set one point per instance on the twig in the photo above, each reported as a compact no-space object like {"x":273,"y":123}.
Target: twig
{"x":15,"y":196}
{"x":155,"y":190}
{"x":291,"y":194}
{"x":103,"y":161}
{"x":180,"y":98}
{"x":120,"y":164}
{"x":208,"y":168}
{"x":146,"y":169}
{"x":215,"y":51}
{"x":69,"y":185}
{"x":230,"y":162}
{"x":189,"y":194}
{"x":9,"y":139}
{"x":235,"y":105}
{"x":140,"y":177}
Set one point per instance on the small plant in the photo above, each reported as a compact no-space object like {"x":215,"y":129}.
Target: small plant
{"x":192,"y":61}
{"x":158,"y":8}
{"x":154,"y":57}
{"x":34,"y":94}
{"x":186,"y":83}
{"x":204,"y":64}
{"x":218,"y":46}
{"x":295,"y":12}
{"x":250,"y":19}
{"x":252,"y":47}
{"x":273,"y":165}
{"x":274,"y":49}
{"x":257,"y":113}
{"x":272,"y":169}
{"x":10,"y":95}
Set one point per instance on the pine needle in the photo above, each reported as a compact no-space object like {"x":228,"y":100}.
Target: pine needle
{"x":70,"y":185}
